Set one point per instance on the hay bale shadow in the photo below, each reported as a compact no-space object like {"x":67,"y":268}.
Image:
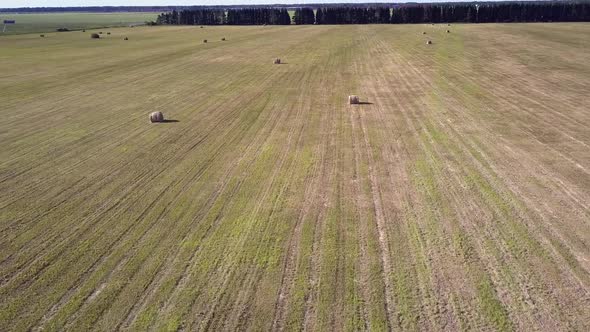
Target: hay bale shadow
{"x":169,"y":121}
{"x":364,"y":103}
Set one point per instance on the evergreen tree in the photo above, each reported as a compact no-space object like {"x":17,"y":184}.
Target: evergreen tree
{"x":304,"y":16}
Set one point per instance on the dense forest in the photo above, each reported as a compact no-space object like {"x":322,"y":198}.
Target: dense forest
{"x":258,"y":16}
{"x":246,"y":16}
{"x":119,"y":9}
{"x":358,"y":13}
{"x":554,"y":11}
{"x":304,"y":16}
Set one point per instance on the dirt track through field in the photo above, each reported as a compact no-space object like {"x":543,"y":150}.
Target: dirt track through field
{"x":456,"y":197}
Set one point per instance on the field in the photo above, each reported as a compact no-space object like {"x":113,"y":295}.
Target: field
{"x":29,"y":23}
{"x":456,"y":197}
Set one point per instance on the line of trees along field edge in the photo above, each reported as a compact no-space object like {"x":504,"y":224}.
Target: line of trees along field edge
{"x":501,"y":12}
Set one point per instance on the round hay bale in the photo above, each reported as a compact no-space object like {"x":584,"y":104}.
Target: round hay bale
{"x":277,"y":61}
{"x":205,"y":41}
{"x":94,"y":36}
{"x":223,"y":39}
{"x":156,"y":117}
{"x":126,"y":38}
{"x":423,"y":32}
{"x":352,"y":99}
{"x":448,"y":31}
{"x":428,"y":42}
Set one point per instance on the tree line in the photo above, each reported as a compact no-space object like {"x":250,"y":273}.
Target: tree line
{"x":258,"y":16}
{"x":503,"y":12}
{"x":247,"y":16}
{"x":485,"y":12}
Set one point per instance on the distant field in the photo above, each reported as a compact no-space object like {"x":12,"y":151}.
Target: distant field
{"x":29,"y":23}
{"x":456,"y":198}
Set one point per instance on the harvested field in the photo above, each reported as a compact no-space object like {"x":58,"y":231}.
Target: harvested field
{"x":49,"y":22}
{"x":457,"y":199}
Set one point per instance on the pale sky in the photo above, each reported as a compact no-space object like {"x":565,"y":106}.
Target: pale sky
{"x":84,"y":3}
